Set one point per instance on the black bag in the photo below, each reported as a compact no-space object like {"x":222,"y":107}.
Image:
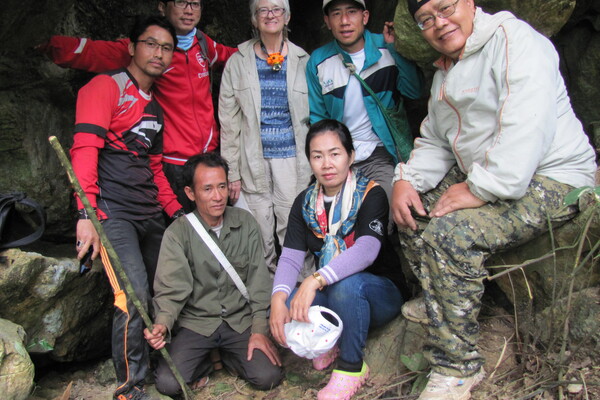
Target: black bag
{"x":15,"y":225}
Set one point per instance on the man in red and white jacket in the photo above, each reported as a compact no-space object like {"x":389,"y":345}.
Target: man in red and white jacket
{"x":183,"y":91}
{"x":117,"y":155}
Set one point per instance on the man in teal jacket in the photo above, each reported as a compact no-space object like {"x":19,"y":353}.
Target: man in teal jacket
{"x":335,"y":93}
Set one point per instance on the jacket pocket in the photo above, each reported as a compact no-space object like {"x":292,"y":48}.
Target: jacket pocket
{"x":300,"y":86}
{"x":299,"y":104}
{"x":240,"y":265}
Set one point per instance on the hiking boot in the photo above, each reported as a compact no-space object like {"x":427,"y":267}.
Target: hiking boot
{"x":443,"y":387}
{"x":342,"y":385}
{"x":326,"y":359}
{"x":135,"y":393}
{"x":416,"y":311}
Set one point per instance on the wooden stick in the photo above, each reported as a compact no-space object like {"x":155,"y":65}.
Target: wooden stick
{"x":116,"y":262}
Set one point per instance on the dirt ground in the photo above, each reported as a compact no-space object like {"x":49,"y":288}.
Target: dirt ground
{"x":513,"y":372}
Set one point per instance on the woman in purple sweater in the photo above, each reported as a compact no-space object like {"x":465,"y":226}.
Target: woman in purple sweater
{"x":341,"y":219}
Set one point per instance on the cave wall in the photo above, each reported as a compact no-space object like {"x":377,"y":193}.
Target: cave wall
{"x":578,"y":44}
{"x":37,"y":98}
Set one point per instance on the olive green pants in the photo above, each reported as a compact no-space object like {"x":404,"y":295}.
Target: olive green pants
{"x":447,"y":255}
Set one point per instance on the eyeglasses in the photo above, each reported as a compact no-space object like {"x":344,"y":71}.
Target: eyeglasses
{"x":446,"y":10}
{"x":263,"y":12}
{"x":194,"y":5}
{"x":153,"y":45}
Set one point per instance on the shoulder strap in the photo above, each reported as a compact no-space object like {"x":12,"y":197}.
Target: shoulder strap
{"x":203,"y":43}
{"x":218,"y":254}
{"x":352,"y":70}
{"x":402,"y":138}
{"x":204,"y":50}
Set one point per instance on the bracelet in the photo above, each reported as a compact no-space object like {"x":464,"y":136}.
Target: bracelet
{"x":83,"y":214}
{"x":320,"y":279}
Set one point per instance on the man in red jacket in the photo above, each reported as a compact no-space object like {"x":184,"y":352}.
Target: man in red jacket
{"x":183,"y":91}
{"x":116,"y":154}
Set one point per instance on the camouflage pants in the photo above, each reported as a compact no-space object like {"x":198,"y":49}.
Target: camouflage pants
{"x":447,"y":256}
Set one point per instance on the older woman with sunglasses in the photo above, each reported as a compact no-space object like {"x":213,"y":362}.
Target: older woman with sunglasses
{"x":263,"y":110}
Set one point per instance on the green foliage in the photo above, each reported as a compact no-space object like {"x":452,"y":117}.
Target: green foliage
{"x":419,"y":384}
{"x":419,"y":365}
{"x":41,"y":343}
{"x":221,"y":388}
{"x":581,"y":259}
{"x":415,"y":363}
{"x":574,"y":195}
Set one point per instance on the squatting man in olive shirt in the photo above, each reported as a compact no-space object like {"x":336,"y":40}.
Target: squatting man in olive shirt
{"x":195,"y":299}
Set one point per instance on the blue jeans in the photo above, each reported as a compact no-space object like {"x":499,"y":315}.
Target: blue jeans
{"x":362,"y":301}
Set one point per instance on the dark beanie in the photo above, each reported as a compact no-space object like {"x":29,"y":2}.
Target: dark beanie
{"x":414,"y":5}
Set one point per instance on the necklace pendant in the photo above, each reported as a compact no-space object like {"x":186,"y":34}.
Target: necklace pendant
{"x":275,"y":60}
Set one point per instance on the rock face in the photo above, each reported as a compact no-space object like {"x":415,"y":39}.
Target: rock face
{"x":584,"y":321}
{"x":66,"y":316}
{"x":397,"y":348}
{"x":537,"y":286}
{"x":385,"y":346}
{"x":16,"y":368}
{"x":579,"y":47}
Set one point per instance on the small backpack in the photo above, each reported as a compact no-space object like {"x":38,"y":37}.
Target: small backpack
{"x":16,"y":228}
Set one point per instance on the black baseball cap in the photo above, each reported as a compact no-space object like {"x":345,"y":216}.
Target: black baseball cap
{"x":414,"y":5}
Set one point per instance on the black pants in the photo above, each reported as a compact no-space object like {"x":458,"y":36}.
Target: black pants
{"x":190,"y":352}
{"x":137,"y":244}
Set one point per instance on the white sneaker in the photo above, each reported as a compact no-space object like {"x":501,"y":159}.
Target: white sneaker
{"x":416,"y":311}
{"x":450,"y":387}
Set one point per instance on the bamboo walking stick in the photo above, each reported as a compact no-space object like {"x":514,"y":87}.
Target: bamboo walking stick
{"x":188,"y":394}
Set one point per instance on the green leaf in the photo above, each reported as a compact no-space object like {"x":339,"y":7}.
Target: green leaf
{"x":415,"y":363}
{"x":42,"y":343}
{"x":419,"y":384}
{"x":45,"y":345}
{"x":573,"y":196}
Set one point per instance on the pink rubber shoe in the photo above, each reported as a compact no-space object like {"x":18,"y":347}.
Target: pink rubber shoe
{"x":325,"y":360}
{"x":342,"y":385}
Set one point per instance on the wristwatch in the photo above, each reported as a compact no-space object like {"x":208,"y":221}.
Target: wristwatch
{"x":320,"y":279}
{"x":83,"y":214}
